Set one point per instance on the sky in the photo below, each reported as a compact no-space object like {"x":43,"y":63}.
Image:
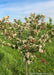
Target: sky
{"x":20,"y":8}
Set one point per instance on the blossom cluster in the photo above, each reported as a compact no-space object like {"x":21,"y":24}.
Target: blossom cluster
{"x":32,"y":43}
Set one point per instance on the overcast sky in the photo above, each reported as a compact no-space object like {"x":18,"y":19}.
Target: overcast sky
{"x":20,"y":8}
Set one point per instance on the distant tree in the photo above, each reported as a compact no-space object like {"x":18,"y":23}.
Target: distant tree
{"x":49,"y":25}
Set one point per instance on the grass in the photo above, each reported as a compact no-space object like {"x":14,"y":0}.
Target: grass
{"x":11,"y":61}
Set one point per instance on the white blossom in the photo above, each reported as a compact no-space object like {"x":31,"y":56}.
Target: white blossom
{"x":13,"y":45}
{"x":49,"y":41}
{"x":40,"y":50}
{"x":28,"y":61}
{"x":24,"y":41}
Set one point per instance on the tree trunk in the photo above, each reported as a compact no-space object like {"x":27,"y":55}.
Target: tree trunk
{"x":25,"y":67}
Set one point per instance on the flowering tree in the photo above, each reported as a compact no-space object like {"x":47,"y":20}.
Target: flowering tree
{"x":30,"y":44}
